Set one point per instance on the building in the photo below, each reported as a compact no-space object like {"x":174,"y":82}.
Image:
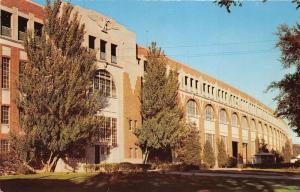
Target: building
{"x":217,"y":109}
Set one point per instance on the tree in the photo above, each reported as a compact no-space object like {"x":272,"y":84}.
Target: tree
{"x":57,"y":108}
{"x":287,"y":152}
{"x":189,"y":151}
{"x":228,"y":4}
{"x":263,"y":147}
{"x":296,"y":150}
{"x":222,"y":155}
{"x":163,"y":121}
{"x":288,"y":99}
{"x":209,"y":154}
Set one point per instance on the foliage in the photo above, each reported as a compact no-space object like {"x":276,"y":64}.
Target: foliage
{"x":228,"y":4}
{"x":12,"y":164}
{"x":296,"y":150}
{"x":288,"y":99}
{"x":222,"y":155}
{"x":57,"y":109}
{"x":287,"y":152}
{"x":209,"y":154}
{"x":190,"y":148}
{"x":278,"y":156}
{"x":263,"y":147}
{"x":163,"y":124}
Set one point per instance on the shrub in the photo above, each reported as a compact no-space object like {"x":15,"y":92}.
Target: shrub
{"x":208,"y":154}
{"x":117,"y":167}
{"x":232,"y":162}
{"x":222,"y":156}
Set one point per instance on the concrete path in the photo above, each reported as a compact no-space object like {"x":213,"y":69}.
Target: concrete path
{"x":239,"y":175}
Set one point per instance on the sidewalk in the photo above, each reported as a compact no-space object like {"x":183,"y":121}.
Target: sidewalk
{"x":239,"y":175}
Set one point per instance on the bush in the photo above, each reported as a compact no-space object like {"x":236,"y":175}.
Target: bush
{"x":12,"y":164}
{"x":222,"y":156}
{"x":208,"y":155}
{"x":117,"y":167}
{"x":232,"y":162}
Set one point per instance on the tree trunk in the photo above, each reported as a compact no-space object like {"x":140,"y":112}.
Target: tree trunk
{"x":146,"y":156}
{"x":51,"y":163}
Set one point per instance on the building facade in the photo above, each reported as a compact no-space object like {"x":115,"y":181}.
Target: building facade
{"x":216,"y":109}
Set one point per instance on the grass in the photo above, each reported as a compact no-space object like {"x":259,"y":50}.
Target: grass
{"x":144,"y":182}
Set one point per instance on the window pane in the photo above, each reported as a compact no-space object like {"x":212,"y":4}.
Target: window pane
{"x":4,"y":114}
{"x":5,"y":72}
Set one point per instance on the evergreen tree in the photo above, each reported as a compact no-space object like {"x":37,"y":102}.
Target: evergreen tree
{"x":190,"y":149}
{"x":209,"y":154}
{"x":163,"y":124}
{"x":222,"y":155}
{"x":57,"y":109}
{"x":287,"y":152}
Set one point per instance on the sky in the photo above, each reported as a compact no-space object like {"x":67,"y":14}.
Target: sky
{"x":237,"y":48}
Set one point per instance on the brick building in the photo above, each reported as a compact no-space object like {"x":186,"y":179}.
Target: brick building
{"x":217,"y":109}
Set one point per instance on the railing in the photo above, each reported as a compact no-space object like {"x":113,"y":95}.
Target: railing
{"x":6,"y":31}
{"x":21,"y":35}
{"x":113,"y":59}
{"x":102,"y":56}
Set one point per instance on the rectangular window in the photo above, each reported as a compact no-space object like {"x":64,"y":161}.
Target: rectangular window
{"x":224,"y":139}
{"x":185,"y":80}
{"x":4,"y":146}
{"x":38,"y":29}
{"x":113,"y":53}
{"x":210,"y":137}
{"x":92,"y":42}
{"x":130,"y":125}
{"x":203,"y":87}
{"x":4,"y":114}
{"x":102,"y":50}
{"x":208,"y":89}
{"x":212,"y":90}
{"x":191,"y":82}
{"x":21,"y":68}
{"x":5,"y":23}
{"x":5,"y":72}
{"x":108,"y":131}
{"x":196,"y":84}
{"x":22,"y":28}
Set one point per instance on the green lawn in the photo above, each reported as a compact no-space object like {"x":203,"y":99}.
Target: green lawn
{"x":139,"y":182}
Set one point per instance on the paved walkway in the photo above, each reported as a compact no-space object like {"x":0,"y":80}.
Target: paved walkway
{"x":239,"y":175}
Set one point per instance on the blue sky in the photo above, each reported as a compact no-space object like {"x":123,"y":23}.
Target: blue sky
{"x":238,"y":48}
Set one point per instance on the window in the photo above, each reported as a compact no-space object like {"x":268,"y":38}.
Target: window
{"x":113,"y":53}
{"x":38,"y":29}
{"x":21,"y":68}
{"x":196,"y":84}
{"x":185,"y":80}
{"x":191,"y":82}
{"x":208,"y":88}
{"x":212,"y":90}
{"x":22,"y":28}
{"x":104,"y":82}
{"x":191,"y":107}
{"x":92,"y":42}
{"x":5,"y":72}
{"x":253,"y":124}
{"x":145,"y":66}
{"x":107,"y":132}
{"x":203,"y":87}
{"x":244,"y":123}
{"x":102,"y":50}
{"x":5,"y":23}
{"x":209,"y":116}
{"x":4,"y":114}
{"x":234,"y":120}
{"x":4,"y":146}
{"x":223,"y":116}
{"x":131,"y":153}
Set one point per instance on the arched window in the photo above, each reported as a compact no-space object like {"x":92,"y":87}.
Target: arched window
{"x":244,"y":123}
{"x":104,"y":82}
{"x":209,"y":113}
{"x":223,"y":116}
{"x":191,"y":108}
{"x":234,"y":120}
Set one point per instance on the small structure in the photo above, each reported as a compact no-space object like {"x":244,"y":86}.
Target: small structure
{"x":294,"y":160}
{"x":264,"y":158}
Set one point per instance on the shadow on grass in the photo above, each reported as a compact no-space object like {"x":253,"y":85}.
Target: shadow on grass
{"x":144,"y":182}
